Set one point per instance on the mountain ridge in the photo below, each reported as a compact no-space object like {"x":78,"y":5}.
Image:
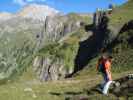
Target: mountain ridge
{"x":33,"y":11}
{"x":36,"y":11}
{"x":5,"y":15}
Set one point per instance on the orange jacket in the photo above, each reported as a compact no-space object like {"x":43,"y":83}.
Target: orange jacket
{"x":108,"y":65}
{"x":108,"y":69}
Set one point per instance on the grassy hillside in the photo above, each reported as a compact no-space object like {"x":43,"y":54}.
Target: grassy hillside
{"x":122,"y":14}
{"x":83,"y":83}
{"x":122,"y":48}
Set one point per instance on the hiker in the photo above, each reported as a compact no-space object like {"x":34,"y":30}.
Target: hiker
{"x":104,"y":67}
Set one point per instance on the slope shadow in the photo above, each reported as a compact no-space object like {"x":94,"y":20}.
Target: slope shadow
{"x":66,"y":93}
{"x":93,"y":90}
{"x":128,"y":27}
{"x":71,"y":95}
{"x":90,"y":47}
{"x":55,"y":93}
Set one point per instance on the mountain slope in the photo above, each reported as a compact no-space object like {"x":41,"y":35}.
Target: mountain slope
{"x":122,"y":47}
{"x":60,"y":55}
{"x":31,"y":35}
{"x":122,"y":14}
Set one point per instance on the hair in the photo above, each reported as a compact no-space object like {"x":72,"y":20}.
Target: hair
{"x":106,"y":56}
{"x":110,"y":57}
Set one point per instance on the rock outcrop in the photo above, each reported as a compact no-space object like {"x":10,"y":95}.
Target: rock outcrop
{"x":101,"y":22}
{"x":46,"y":69}
{"x":125,"y":87}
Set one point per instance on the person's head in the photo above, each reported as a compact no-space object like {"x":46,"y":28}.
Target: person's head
{"x":105,"y":56}
{"x":110,"y":58}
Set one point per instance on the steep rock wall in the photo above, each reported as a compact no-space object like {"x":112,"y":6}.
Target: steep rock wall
{"x":22,"y":38}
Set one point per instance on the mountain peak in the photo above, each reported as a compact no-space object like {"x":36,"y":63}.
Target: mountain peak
{"x":5,"y":15}
{"x":36,"y":11}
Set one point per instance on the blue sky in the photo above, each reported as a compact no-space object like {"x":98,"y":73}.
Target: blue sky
{"x":66,"y":6}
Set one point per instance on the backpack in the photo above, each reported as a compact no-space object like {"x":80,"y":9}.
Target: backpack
{"x":101,"y":66}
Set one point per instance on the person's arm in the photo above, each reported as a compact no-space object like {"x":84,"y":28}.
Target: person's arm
{"x":108,"y":72}
{"x":97,"y":65}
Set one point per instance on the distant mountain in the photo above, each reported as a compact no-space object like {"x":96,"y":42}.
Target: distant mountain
{"x":32,"y":11}
{"x":5,"y":15}
{"x":38,"y":12}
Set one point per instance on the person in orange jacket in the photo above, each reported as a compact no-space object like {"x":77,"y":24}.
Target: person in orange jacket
{"x":104,"y":67}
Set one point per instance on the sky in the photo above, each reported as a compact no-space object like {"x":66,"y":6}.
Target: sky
{"x":65,"y":6}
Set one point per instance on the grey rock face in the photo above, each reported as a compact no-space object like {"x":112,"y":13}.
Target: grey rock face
{"x":101,"y":23}
{"x":50,"y":30}
{"x":49,"y":69}
{"x":58,"y":26}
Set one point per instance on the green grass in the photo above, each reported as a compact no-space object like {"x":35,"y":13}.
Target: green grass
{"x":122,"y":14}
{"x":16,"y":56}
{"x":28,"y":88}
{"x":86,"y":19}
{"x":46,"y":91}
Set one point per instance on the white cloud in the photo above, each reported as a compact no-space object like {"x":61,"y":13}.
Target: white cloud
{"x":20,"y":2}
{"x":30,"y":0}
{"x":24,"y":2}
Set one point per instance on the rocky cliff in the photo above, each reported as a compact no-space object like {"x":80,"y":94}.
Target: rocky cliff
{"x":24,"y":34}
{"x":103,"y":36}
